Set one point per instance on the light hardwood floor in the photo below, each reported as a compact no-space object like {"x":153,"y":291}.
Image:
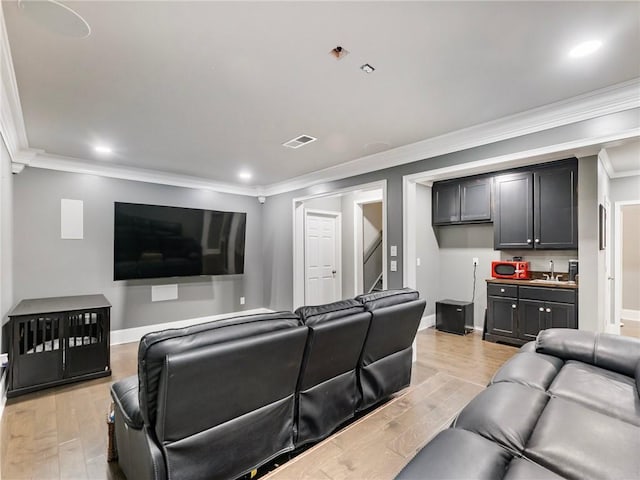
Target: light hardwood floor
{"x":61,"y":432}
{"x":630,"y":328}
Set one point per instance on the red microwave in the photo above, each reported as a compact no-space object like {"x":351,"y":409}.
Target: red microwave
{"x":506,"y":269}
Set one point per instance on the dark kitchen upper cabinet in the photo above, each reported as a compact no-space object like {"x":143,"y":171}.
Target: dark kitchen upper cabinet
{"x":513,"y":211}
{"x":446,"y":203}
{"x":555,"y":207}
{"x":537,"y":209}
{"x":462,"y":201}
{"x":475,"y":200}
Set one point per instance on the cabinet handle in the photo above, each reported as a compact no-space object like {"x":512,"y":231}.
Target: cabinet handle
{"x":537,"y":240}
{"x":458,"y":309}
{"x":541,"y":309}
{"x":502,"y":290}
{"x":513,"y":305}
{"x":548,"y":310}
{"x":528,"y":240}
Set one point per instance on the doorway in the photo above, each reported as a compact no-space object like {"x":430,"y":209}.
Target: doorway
{"x":322,"y":246}
{"x":345,"y":205}
{"x":627,"y":311}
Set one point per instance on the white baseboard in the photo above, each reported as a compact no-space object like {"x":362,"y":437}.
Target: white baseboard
{"x":427,"y":322}
{"x":628,"y":314}
{"x":129,"y":335}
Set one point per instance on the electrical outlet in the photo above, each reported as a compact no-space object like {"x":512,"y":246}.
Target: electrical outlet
{"x":394,"y":266}
{"x":394,"y":250}
{"x":475,"y":261}
{"x":241,"y":300}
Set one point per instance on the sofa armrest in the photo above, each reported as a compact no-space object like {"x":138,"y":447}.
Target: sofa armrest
{"x":125,"y":396}
{"x":611,"y":352}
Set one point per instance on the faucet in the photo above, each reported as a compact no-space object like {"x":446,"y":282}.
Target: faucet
{"x":552,"y":277}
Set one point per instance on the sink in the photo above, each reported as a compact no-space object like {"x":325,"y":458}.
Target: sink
{"x":552,"y":282}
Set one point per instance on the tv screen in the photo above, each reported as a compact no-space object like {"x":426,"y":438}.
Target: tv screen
{"x":152,"y":241}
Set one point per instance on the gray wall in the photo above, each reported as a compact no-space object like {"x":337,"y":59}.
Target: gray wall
{"x":588,"y":253}
{"x":6,"y":236}
{"x":631,"y":257}
{"x":47,"y":266}
{"x":348,"y":251}
{"x":428,"y":273}
{"x":278,"y":208}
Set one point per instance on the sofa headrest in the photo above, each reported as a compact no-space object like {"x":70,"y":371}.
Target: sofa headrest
{"x":314,"y":315}
{"x":154,"y":347}
{"x":386,"y":298}
{"x":611,"y":352}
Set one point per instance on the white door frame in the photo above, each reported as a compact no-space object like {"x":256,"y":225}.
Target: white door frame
{"x":337,"y":217}
{"x":298,"y":234}
{"x":617,"y":276}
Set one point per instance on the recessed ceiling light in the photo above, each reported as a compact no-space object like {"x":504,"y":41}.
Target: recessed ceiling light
{"x":102,"y":149}
{"x":244,"y":175}
{"x":585,"y":48}
{"x":366,"y":68}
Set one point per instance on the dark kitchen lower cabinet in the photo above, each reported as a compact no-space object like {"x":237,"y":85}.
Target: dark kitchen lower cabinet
{"x":519,"y":318}
{"x":503,"y":315}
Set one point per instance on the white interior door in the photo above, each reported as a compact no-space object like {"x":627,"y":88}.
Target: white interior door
{"x":322,"y":257}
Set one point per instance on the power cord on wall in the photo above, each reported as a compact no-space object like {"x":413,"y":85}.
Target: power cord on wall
{"x":473,"y":296}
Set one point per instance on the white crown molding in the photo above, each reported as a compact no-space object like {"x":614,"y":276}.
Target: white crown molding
{"x":603,"y":155}
{"x":606,"y":162}
{"x":73,"y":165}
{"x":617,"y":98}
{"x":12,"y":126}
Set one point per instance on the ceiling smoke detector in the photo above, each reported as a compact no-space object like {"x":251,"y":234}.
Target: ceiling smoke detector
{"x":366,"y":68}
{"x":299,"y":141}
{"x":339,"y":52}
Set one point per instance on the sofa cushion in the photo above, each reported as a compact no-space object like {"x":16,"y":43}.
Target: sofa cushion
{"x":533,"y":370}
{"x":317,"y":314}
{"x":125,"y":395}
{"x":524,"y":469}
{"x":609,"y":392}
{"x":577,"y":442}
{"x":505,"y":413}
{"x":387,"y":297}
{"x":612,"y":352}
{"x":457,"y":454}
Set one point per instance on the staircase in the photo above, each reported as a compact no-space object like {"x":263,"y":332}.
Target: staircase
{"x":372,"y":266}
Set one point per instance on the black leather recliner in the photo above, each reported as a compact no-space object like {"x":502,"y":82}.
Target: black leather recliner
{"x":219,"y":399}
{"x":385,"y":365}
{"x":328,"y":387}
{"x":215,"y":400}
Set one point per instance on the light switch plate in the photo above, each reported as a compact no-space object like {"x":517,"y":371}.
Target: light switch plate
{"x":394,"y":250}
{"x":418,"y":261}
{"x":394,"y":266}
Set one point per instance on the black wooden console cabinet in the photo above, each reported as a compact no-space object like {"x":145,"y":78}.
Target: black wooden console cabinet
{"x":57,"y":340}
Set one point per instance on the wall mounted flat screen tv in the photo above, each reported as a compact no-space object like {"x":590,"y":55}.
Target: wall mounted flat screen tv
{"x":152,"y":241}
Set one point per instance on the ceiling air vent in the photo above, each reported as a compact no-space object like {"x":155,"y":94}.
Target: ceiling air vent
{"x":299,"y":141}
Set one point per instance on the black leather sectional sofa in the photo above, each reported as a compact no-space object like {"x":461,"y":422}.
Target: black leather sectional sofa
{"x":219,"y":399}
{"x":566,"y":406}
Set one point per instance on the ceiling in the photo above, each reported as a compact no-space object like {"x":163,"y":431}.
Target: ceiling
{"x":210,"y":88}
{"x":624,"y":159}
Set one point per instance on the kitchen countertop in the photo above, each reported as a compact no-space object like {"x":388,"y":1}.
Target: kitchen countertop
{"x":529,"y":283}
